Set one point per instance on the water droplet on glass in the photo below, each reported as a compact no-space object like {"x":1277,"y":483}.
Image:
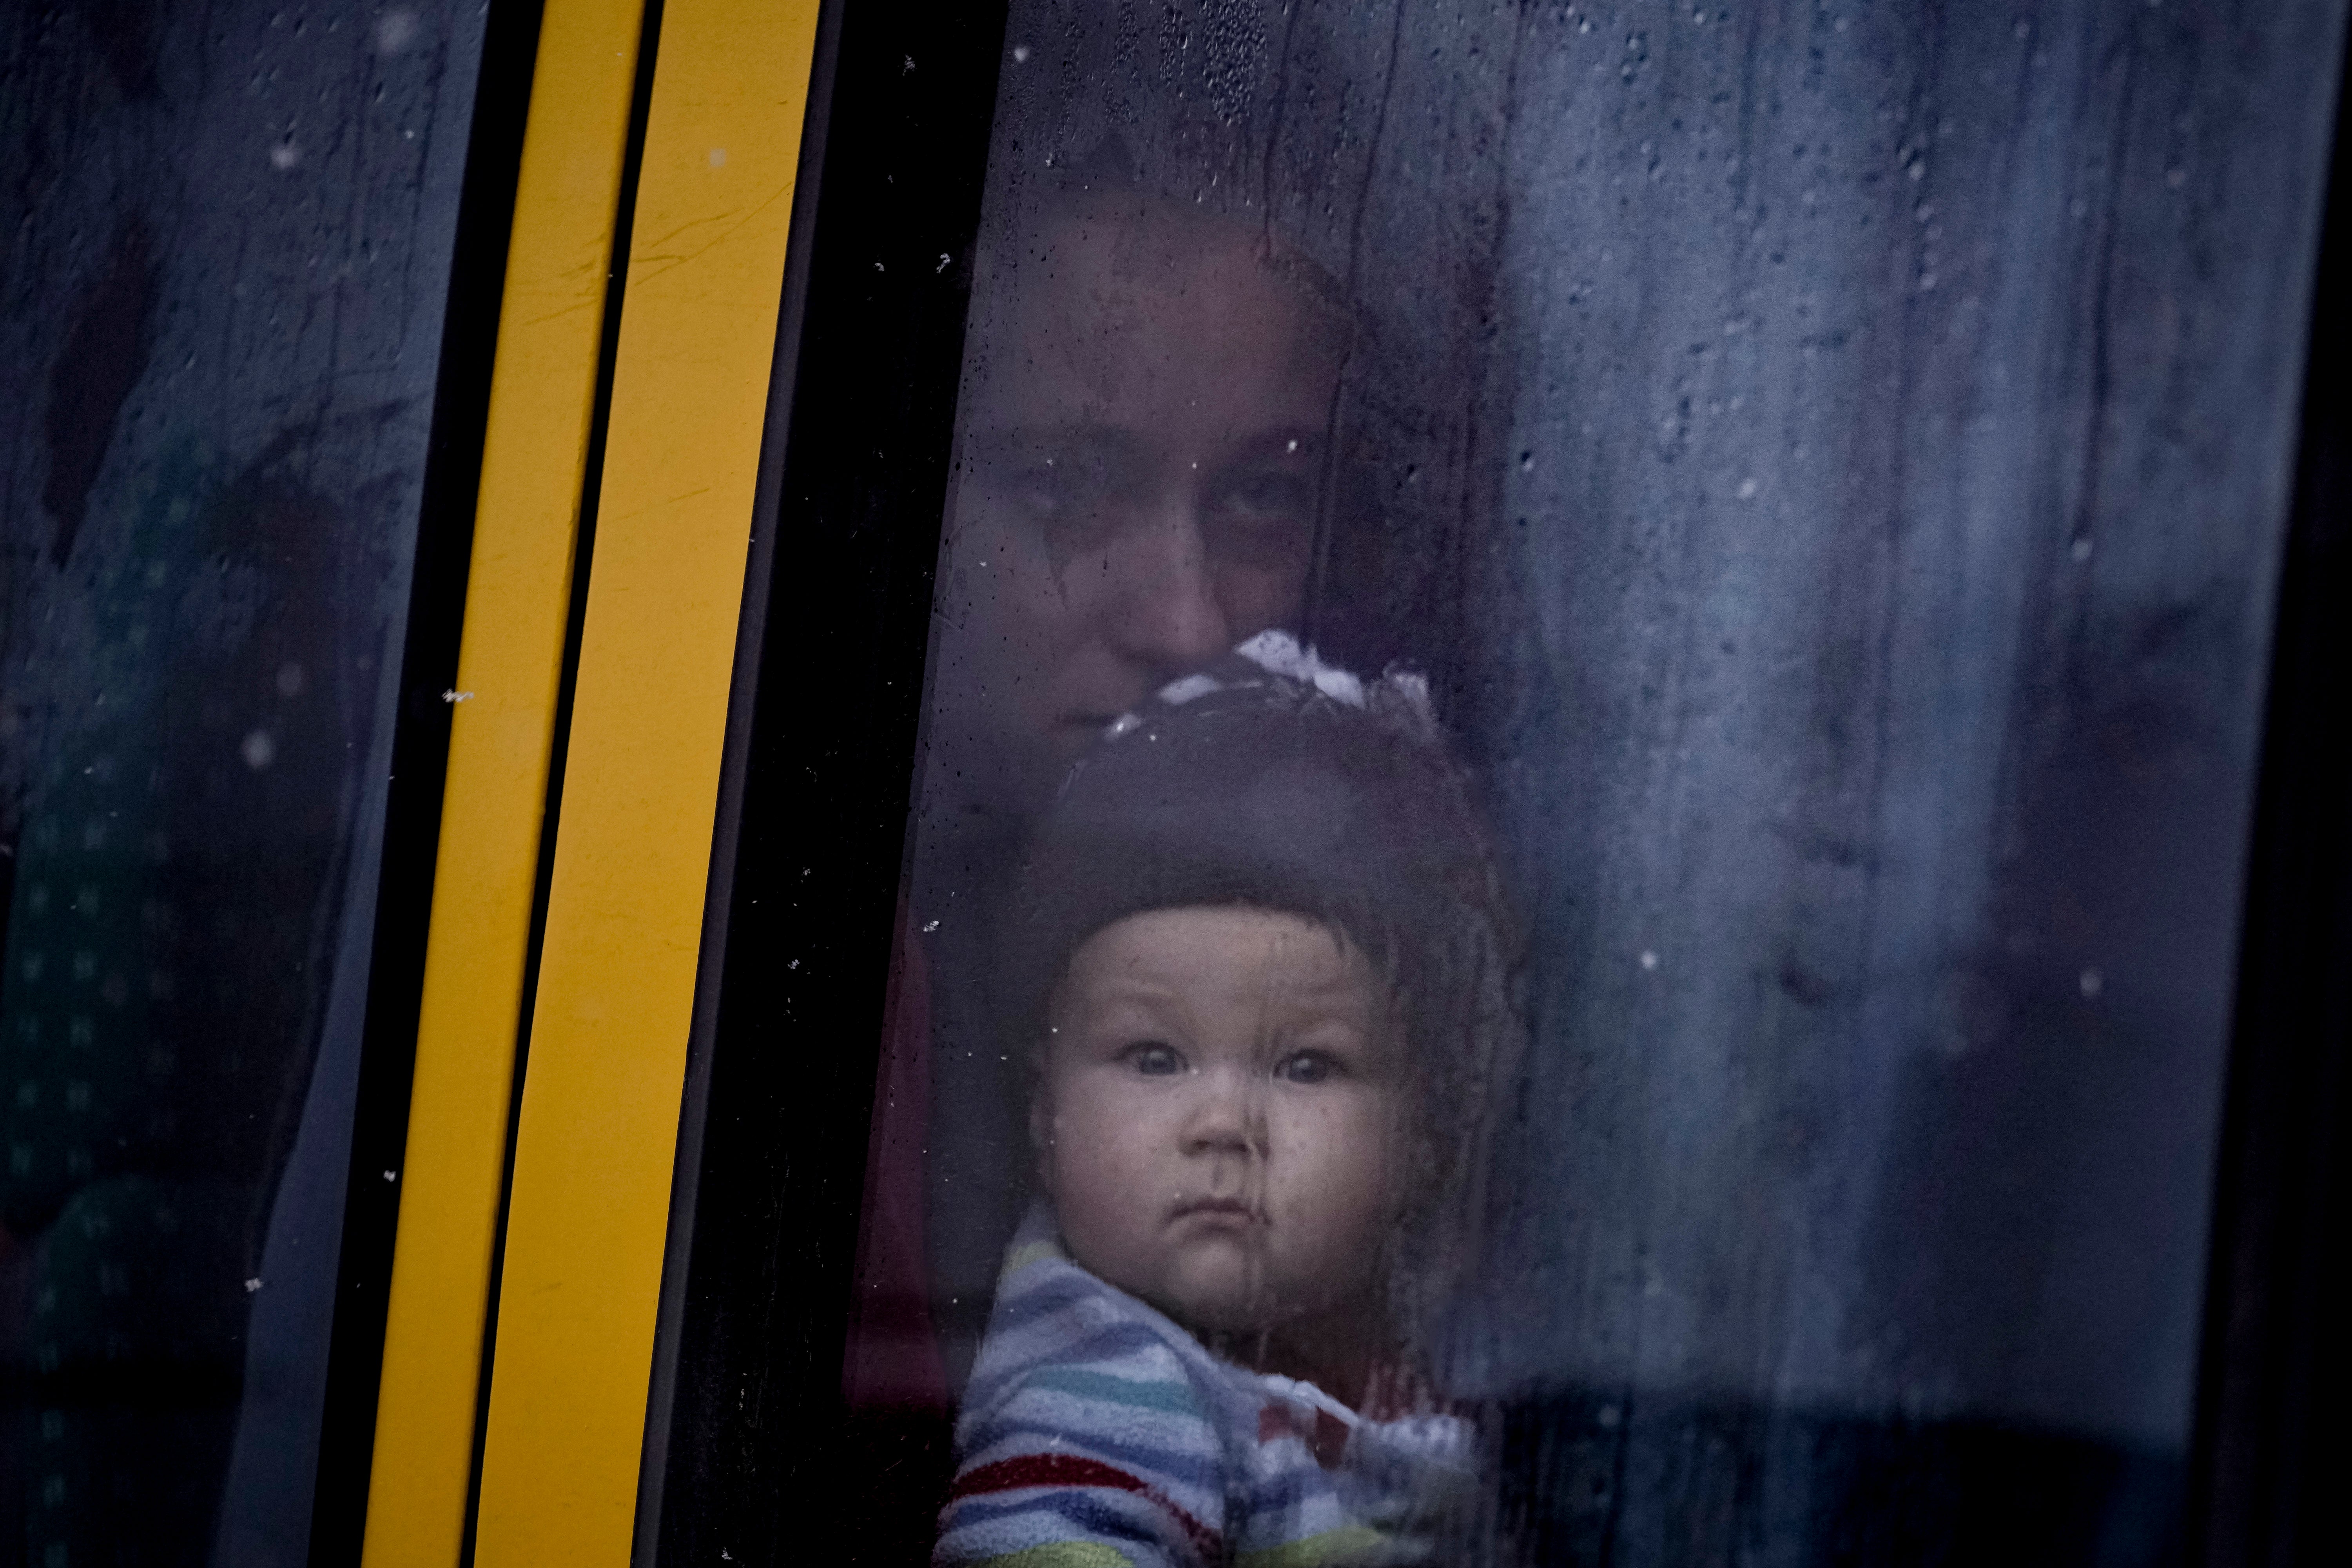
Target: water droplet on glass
{"x":395,"y":32}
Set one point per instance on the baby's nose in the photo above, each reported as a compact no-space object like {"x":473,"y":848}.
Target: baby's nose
{"x":1226,"y":1118}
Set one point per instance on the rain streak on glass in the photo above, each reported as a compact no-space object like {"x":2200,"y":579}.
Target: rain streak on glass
{"x":231,"y":230}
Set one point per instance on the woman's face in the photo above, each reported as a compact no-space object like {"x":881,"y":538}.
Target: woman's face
{"x":1143,"y":445}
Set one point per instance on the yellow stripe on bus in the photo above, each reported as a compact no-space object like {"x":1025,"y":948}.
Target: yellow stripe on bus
{"x":598,"y":1127}
{"x":518,"y":596}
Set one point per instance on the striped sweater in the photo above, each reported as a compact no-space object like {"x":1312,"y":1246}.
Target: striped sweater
{"x":1097,"y":1434}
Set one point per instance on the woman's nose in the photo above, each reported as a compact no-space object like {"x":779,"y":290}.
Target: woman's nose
{"x":1164,"y":611}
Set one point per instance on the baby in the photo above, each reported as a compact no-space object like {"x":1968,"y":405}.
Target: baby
{"x":1268,"y":985}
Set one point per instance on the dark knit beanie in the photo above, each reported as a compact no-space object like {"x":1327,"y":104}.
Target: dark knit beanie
{"x":1273,"y":782}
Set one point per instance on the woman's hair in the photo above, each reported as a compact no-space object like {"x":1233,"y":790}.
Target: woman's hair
{"x":1101,"y":189}
{"x":1102,"y":186}
{"x":1273,"y":782}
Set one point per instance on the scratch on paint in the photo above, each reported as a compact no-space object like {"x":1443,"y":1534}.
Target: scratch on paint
{"x":673,"y":262}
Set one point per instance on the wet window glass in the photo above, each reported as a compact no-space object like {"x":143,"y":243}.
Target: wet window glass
{"x":230,"y":233}
{"x":1575,"y":849}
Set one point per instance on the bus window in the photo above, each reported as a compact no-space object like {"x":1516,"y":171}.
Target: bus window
{"x":232,"y":234}
{"x":1569,"y":884}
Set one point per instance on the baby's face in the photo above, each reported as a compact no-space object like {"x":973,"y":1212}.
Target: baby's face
{"x":1221,"y":1115}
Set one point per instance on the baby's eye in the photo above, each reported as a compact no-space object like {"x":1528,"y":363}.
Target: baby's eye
{"x":1153,"y":1058}
{"x":1306,"y":1066}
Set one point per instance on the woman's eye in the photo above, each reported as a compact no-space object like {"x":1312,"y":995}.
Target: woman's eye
{"x":1067,"y":501}
{"x":1268,"y":496}
{"x":1039,"y":492}
{"x":1306,"y":1067}
{"x":1261,"y":519}
{"x":1153,"y":1059}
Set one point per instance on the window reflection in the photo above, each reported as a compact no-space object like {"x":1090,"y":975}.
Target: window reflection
{"x":231,"y":254}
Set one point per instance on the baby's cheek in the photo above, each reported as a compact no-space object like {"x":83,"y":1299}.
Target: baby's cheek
{"x":1080,"y":1203}
{"x":1356,"y":1179}
{"x":1095,"y":1128}
{"x":1096,"y":1180}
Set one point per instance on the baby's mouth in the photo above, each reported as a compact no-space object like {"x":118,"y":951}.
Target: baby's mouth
{"x":1233,"y":1210}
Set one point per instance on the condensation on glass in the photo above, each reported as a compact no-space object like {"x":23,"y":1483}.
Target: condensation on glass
{"x":228,"y":240}
{"x":1828,"y":463}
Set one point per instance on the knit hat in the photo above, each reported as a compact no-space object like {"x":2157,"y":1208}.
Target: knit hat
{"x":1274,"y":781}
